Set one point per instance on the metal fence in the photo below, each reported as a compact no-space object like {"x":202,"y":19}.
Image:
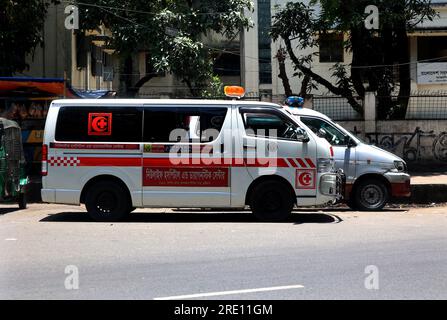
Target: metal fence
{"x":336,"y":108}
{"x":427,"y":107}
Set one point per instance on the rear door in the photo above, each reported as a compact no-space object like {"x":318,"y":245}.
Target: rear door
{"x":95,"y":140}
{"x":183,"y":159}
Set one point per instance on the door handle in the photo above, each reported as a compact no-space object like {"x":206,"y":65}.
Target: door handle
{"x":249,"y":147}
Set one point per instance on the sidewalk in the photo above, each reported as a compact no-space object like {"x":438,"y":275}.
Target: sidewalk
{"x":428,"y":178}
{"x":428,"y":187}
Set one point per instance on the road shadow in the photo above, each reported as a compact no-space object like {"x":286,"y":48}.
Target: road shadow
{"x":7,"y":210}
{"x":348,"y":210}
{"x":196,"y":217}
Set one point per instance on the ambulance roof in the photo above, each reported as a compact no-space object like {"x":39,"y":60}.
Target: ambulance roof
{"x":196,"y":103}
{"x":307,"y":112}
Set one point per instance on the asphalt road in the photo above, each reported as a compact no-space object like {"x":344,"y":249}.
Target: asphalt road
{"x":56,"y":252}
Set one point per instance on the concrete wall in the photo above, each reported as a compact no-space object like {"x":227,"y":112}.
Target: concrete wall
{"x":419,"y":142}
{"x":57,"y":57}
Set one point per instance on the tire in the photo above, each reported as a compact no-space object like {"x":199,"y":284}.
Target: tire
{"x":351,"y":204}
{"x":22,"y":201}
{"x":272,"y":201}
{"x":107,"y":201}
{"x":371,"y":195}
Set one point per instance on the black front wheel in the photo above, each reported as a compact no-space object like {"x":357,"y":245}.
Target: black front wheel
{"x":272,"y":201}
{"x":107,"y":201}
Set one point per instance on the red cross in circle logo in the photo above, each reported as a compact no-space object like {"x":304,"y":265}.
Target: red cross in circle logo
{"x":99,"y":124}
{"x":305,"y":179}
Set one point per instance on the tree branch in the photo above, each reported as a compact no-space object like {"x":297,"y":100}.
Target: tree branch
{"x":281,"y":56}
{"x":344,"y":92}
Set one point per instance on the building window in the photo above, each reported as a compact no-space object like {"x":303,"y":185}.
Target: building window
{"x":331,"y":48}
{"x":432,"y":48}
{"x":264,"y":42}
{"x":228,"y":64}
{"x":97,"y":62}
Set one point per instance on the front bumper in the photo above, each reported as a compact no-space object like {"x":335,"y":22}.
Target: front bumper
{"x":332,"y":184}
{"x":400,"y":184}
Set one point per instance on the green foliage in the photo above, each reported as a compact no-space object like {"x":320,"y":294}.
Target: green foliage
{"x":214,"y":90}
{"x":21,"y":24}
{"x":374,"y":51}
{"x":171,"y":31}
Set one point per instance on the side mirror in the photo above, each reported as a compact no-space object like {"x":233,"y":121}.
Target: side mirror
{"x":301,"y":136}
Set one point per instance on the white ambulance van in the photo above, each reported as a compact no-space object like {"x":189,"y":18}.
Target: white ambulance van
{"x":118,"y":155}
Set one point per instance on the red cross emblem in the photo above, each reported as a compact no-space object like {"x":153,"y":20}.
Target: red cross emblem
{"x":99,"y":124}
{"x":305,"y":179}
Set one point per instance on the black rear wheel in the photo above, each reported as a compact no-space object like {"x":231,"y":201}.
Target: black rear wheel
{"x":272,"y":201}
{"x":107,"y":201}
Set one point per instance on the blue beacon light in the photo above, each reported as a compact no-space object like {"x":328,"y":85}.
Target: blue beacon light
{"x":295,"y":102}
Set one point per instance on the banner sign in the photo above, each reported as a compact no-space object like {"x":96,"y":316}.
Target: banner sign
{"x":432,"y":73}
{"x":185,"y":177}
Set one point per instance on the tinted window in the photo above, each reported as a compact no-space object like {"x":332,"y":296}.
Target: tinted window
{"x":331,"y":48}
{"x":269,"y":124}
{"x":99,"y":124}
{"x":172,"y":124}
{"x":325,"y":130}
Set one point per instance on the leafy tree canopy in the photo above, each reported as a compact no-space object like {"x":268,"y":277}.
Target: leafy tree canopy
{"x":170,"y":31}
{"x":375,"y":52}
{"x":21,"y":24}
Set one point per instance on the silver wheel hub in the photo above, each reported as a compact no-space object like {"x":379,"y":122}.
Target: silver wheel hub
{"x":372,"y":195}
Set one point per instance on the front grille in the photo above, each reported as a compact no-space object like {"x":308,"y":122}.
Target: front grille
{"x":341,"y":183}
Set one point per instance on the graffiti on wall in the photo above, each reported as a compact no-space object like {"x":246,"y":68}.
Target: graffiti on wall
{"x":411,"y":146}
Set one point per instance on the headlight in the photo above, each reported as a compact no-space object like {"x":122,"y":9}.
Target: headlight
{"x":400,"y":166}
{"x":326,"y":165}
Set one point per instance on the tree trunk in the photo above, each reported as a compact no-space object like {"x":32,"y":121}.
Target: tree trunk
{"x":128,"y":89}
{"x":357,"y":61}
{"x":126,"y":76}
{"x":304,"y":86}
{"x":281,"y":56}
{"x":403,"y":53}
{"x":344,"y":92}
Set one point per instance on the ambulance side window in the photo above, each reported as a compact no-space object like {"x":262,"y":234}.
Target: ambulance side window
{"x":99,"y":124}
{"x":269,"y":125}
{"x":182,"y":124}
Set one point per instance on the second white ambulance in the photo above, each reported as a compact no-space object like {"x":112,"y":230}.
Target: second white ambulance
{"x":117,"y":155}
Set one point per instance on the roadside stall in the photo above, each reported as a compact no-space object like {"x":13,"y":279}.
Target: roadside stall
{"x":26,"y":101}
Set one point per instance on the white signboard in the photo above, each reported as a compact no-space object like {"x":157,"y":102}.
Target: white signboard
{"x":432,"y":73}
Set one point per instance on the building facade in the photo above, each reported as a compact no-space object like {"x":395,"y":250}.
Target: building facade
{"x":428,"y":52}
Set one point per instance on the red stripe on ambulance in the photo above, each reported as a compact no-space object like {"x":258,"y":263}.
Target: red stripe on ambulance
{"x":109,"y":162}
{"x":182,"y":162}
{"x":301,"y":162}
{"x":310,"y":163}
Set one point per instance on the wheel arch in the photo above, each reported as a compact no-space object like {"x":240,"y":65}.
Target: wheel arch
{"x":367,"y":176}
{"x":265,"y":178}
{"x":104,"y":177}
